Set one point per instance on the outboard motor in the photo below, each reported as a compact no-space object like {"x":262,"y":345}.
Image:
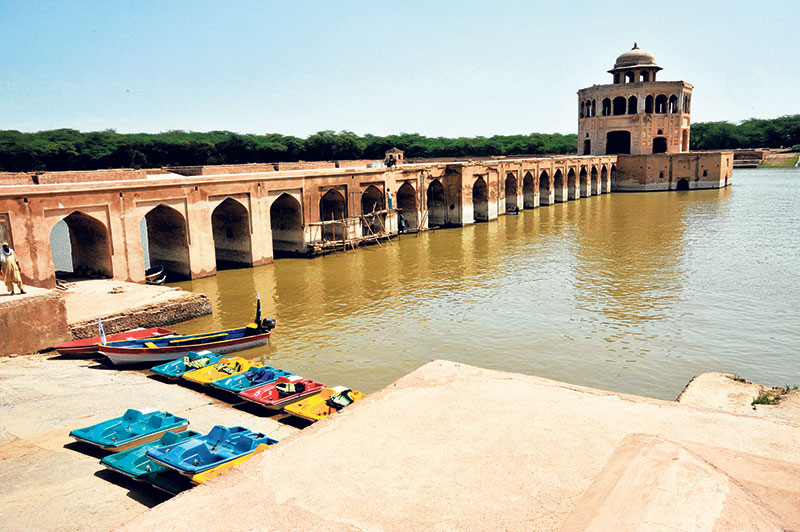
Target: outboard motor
{"x":267,"y":324}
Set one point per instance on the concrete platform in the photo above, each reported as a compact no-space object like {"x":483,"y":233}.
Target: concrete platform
{"x":31,"y":321}
{"x":452,"y":447}
{"x":47,"y":482}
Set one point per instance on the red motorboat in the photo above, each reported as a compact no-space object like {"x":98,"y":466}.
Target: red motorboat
{"x":88,"y":346}
{"x":282,"y":392}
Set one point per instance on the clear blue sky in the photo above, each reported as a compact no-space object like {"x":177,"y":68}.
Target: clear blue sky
{"x":456,"y":68}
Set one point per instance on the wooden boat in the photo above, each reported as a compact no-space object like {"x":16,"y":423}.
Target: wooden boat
{"x":134,"y":428}
{"x":134,"y":462}
{"x":161,"y":280}
{"x":151,"y":274}
{"x":255,"y":376}
{"x":220,"y":446}
{"x":208,"y":474}
{"x":171,"y":348}
{"x":87,"y":347}
{"x":327,"y":402}
{"x":282,"y":392}
{"x":194,"y":360}
{"x":221,"y":370}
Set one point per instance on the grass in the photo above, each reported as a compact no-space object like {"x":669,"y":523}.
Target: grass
{"x":771,"y":397}
{"x":779,"y":161}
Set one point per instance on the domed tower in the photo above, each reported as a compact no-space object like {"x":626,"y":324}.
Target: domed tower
{"x":635,"y":115}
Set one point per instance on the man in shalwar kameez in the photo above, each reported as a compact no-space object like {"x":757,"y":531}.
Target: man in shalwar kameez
{"x":8,"y":260}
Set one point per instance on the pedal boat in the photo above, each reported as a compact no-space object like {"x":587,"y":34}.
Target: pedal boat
{"x":130,"y":430}
{"x":87,"y":347}
{"x":220,"y":446}
{"x":195,"y":360}
{"x":170,"y":348}
{"x":225,"y":368}
{"x":327,"y":402}
{"x":255,"y":376}
{"x":169,"y":481}
{"x":134,"y":462}
{"x":282,"y":392}
{"x":208,"y":474}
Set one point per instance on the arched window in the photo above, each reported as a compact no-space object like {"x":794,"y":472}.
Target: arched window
{"x":686,"y":103}
{"x":633,"y":104}
{"x":645,"y":77}
{"x":673,"y":104}
{"x":661,"y":104}
{"x":594,"y":107}
{"x":629,"y":77}
{"x":648,"y":104}
{"x":616,"y":78}
{"x":587,"y":147}
{"x":619,"y":105}
{"x":606,"y":111}
{"x":580,"y":110}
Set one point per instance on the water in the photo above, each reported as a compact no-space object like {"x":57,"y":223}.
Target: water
{"x":628,"y":292}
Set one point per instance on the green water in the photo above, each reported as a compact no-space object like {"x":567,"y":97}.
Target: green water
{"x":628,"y":292}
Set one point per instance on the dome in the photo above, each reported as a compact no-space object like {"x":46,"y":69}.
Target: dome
{"x":635,"y":57}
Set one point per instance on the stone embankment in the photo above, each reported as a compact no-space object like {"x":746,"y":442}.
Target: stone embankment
{"x":123,"y":306}
{"x":42,"y":318}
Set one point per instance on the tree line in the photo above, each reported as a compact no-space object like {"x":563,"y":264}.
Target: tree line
{"x":68,"y":149}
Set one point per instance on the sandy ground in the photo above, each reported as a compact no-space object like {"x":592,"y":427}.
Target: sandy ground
{"x":719,"y":391}
{"x":49,"y":483}
{"x":88,"y":300}
{"x":453,"y":447}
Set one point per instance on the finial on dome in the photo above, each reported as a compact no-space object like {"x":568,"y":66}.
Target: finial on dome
{"x":635,"y":46}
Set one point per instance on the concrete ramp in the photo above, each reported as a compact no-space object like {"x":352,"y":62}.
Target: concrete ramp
{"x":651,"y":484}
{"x":454,"y":447}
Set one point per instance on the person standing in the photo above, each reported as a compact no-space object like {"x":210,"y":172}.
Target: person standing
{"x":10,"y":264}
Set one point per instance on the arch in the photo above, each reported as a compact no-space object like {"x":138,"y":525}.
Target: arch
{"x":595,"y":182}
{"x":573,"y":192}
{"x":437,"y":209}
{"x":511,"y":193}
{"x":167,"y":242}
{"x":230,"y":227}
{"x":585,"y":191}
{"x":558,"y":186}
{"x":371,"y":201}
{"x":683,"y":184}
{"x":687,"y":103}
{"x":544,"y":189}
{"x":618,"y":142}
{"x":644,"y":77}
{"x":480,"y":201}
{"x":630,"y":77}
{"x":612,"y":182}
{"x":407,"y":203}
{"x":606,"y":109}
{"x":619,"y":105}
{"x":661,"y":104}
{"x":332,"y":207}
{"x":79,"y":245}
{"x":286,"y":222}
{"x":659,"y":144}
{"x":594,"y":107}
{"x":605,"y":186}
{"x":673,"y":104}
{"x":685,"y":140}
{"x":648,"y":104}
{"x":587,"y":147}
{"x":633,"y":105}
{"x":528,"y":192}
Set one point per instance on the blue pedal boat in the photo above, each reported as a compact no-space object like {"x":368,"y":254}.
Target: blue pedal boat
{"x":195,"y":360}
{"x":250,"y":379}
{"x":169,"y":481}
{"x":130,"y":430}
{"x":219,"y":446}
{"x":134,"y":462}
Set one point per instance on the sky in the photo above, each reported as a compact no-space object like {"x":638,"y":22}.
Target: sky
{"x":459,"y":68}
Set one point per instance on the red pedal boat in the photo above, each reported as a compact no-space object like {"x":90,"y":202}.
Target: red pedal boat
{"x":88,"y":346}
{"x":282,"y":392}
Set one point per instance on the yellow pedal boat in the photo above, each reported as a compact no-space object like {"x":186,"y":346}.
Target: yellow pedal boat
{"x":199,"y":478}
{"x":221,"y":370}
{"x":320,"y":406}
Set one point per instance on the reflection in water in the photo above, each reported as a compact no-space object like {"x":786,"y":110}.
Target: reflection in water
{"x":629,"y":292}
